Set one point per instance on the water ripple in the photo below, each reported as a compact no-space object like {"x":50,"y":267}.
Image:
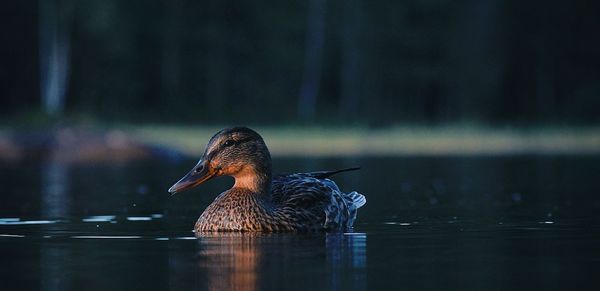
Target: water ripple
{"x":99,"y":218}
{"x":106,"y":236}
{"x":16,"y":221}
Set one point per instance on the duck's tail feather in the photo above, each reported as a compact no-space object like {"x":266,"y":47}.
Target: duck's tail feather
{"x":341,"y":211}
{"x":356,"y":199}
{"x":327,"y":174}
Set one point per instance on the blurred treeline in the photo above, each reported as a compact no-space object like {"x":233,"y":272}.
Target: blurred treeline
{"x":358,"y":61}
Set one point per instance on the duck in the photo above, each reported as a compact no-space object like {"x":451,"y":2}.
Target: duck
{"x":261,"y":202}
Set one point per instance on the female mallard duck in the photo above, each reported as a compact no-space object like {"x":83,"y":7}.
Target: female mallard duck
{"x":258,"y":202}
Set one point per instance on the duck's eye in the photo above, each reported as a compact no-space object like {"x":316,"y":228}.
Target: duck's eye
{"x":228,"y":143}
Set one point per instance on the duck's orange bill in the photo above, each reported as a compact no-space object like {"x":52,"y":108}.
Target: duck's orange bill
{"x":201,"y":173}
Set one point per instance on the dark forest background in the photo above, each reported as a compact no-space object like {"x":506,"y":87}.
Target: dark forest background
{"x":315,"y":61}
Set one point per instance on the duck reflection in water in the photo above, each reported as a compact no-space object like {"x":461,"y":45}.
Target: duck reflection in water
{"x":257,"y":261}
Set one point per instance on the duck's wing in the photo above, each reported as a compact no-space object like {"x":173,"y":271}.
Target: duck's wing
{"x":327,"y":174}
{"x":302,"y":188}
{"x":284,"y":184}
{"x":313,"y":192}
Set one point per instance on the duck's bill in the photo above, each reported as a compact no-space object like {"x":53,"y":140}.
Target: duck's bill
{"x":201,"y":173}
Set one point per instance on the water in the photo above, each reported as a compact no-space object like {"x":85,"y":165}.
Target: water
{"x":430,"y":223}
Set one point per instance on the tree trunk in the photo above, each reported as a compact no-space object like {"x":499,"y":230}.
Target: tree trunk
{"x":54,"y":57}
{"x":315,"y":40}
{"x":350,"y":53}
{"x":217,"y":63}
{"x":170,"y":65}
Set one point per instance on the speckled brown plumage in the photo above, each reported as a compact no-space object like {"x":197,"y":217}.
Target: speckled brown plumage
{"x":257,"y":202}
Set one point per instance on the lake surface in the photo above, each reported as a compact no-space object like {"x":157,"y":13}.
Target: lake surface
{"x":442,"y":223}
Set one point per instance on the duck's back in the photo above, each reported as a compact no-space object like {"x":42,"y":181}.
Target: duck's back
{"x":317,"y":199}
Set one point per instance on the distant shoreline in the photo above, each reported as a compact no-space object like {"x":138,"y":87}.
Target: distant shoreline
{"x":397,"y":141}
{"x":84,"y":144}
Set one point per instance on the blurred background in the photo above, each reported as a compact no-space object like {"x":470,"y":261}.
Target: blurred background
{"x":476,"y":124}
{"x":325,"y":62}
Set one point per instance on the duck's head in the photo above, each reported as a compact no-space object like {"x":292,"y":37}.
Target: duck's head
{"x":239,"y":152}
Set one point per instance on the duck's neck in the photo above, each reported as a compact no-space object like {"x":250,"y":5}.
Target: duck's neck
{"x":256,"y":181}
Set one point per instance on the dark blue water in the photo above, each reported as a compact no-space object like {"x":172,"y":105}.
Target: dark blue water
{"x":516,"y":222}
